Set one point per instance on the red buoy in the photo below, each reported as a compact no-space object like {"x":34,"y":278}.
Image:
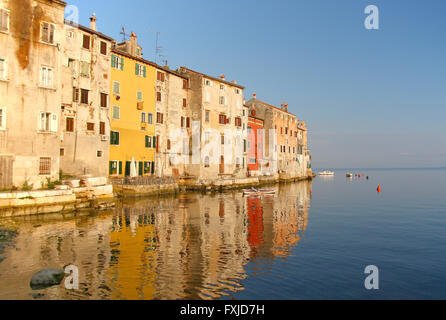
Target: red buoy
{"x":379,"y":189}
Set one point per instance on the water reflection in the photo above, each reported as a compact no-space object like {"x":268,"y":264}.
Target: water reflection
{"x":191,"y":247}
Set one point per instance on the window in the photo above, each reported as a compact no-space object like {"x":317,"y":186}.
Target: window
{"x":90,"y":126}
{"x":222,"y":119}
{"x":86,"y":42}
{"x":185,"y":84}
{"x":207,"y":137}
{"x":62,"y":152}
{"x":148,"y":141}
{"x":159,"y":117}
{"x":158,"y":96}
{"x":46,"y":77}
{"x":143,"y":117}
{"x":222,"y":87}
{"x":47,"y":122}
{"x":237,"y":163}
{"x":116,"y":87}
{"x":207,"y":116}
{"x":75,"y":94}
{"x":160,"y":76}
{"x":99,"y":154}
{"x":114,"y":138}
{"x":207,"y":82}
{"x":103,"y":47}
{"x":139,"y":95}
{"x":70,"y":34}
{"x":238,"y":122}
{"x":168,"y":144}
{"x":47,"y":32}
{"x":104,"y":100}
{"x":222,"y":138}
{"x":4,"y":20}
{"x":222,"y":100}
{"x":140,"y":70}
{"x":184,"y":103}
{"x":117,"y":62}
{"x":84,"y":96}
{"x":3,"y":69}
{"x":2,"y":118}
{"x":85,"y":69}
{"x":113,"y":169}
{"x":182,"y":122}
{"x":187,"y":122}
{"x":102,"y":128}
{"x":69,"y":124}
{"x":115,"y":113}
{"x":45,"y":166}
{"x":237,"y":91}
{"x":206,"y":162}
{"x":150,"y":118}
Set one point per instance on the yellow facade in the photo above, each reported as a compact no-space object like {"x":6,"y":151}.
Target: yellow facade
{"x":132,"y":115}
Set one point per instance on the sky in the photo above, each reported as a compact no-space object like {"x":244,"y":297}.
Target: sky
{"x":370,"y":98}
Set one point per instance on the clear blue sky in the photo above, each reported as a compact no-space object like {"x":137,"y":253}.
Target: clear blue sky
{"x":371,"y":98}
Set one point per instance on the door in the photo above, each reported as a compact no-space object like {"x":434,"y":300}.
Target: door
{"x":222,"y":165}
{"x":6,"y":168}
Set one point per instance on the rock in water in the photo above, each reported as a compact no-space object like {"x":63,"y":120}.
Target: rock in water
{"x":47,"y":278}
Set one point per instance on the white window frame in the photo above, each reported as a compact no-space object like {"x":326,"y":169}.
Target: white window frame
{"x":149,"y":118}
{"x":119,"y":87}
{"x":47,"y":122}
{"x":119,"y":112}
{"x":140,"y":70}
{"x":220,"y":100}
{"x":2,"y":10}
{"x":115,"y":164}
{"x":48,"y":80}
{"x":143,"y":117}
{"x":3,"y":118}
{"x":4,"y":74}
{"x":222,"y":87}
{"x":208,"y":82}
{"x":137,"y":95}
{"x":49,"y":32}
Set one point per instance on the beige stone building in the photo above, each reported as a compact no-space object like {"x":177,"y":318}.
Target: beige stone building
{"x":286,"y":154}
{"x":175,"y":132}
{"x":219,"y":122}
{"x":85,"y":120}
{"x":32,"y":35}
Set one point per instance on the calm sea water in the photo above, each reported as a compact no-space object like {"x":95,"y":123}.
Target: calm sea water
{"x":310,"y":241}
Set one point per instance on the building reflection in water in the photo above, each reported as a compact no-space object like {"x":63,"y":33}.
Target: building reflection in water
{"x":194,"y":246}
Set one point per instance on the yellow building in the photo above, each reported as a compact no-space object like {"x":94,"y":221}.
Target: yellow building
{"x":132,"y":136}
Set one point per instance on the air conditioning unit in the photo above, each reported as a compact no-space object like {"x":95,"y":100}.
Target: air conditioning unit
{"x":104,"y":138}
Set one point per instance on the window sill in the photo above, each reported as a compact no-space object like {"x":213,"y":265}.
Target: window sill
{"x":4,"y":31}
{"x":4,"y":80}
{"x":47,"y":88}
{"x":49,"y":44}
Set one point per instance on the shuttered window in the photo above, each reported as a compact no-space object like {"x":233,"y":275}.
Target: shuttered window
{"x":86,"y":42}
{"x":140,"y":70}
{"x":47,"y":32}
{"x":117,"y":62}
{"x":45,"y":166}
{"x":114,"y":138}
{"x":84,"y":96}
{"x":70,"y":124}
{"x":102,"y":128}
{"x":104,"y":100}
{"x":104,"y":47}
{"x":4,"y":20}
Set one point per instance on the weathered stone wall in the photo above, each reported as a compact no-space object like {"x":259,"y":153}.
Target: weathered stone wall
{"x":23,"y":96}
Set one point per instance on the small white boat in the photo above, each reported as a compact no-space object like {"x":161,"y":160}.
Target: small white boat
{"x":349,"y":175}
{"x":256,"y":192}
{"x":326,"y":173}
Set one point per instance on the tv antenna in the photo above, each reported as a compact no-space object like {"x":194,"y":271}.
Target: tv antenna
{"x":124,"y":34}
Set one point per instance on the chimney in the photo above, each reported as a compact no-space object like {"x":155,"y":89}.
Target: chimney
{"x":222,"y":77}
{"x":93,"y":22}
{"x":255,"y":95}
{"x":234,"y":82}
{"x":244,"y":101}
{"x":285,"y":107}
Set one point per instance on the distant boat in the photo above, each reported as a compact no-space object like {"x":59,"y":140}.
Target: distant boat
{"x":349,"y":175}
{"x":256,"y":192}
{"x":326,"y":173}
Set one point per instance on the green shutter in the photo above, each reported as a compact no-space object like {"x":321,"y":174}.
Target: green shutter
{"x":153,"y":167}
{"x":127,"y":169}
{"x":136,"y":68}
{"x":140,"y":168}
{"x":113,"y":61}
{"x":145,"y":71}
{"x":120,"y":167}
{"x":146,"y":167}
{"x":147,"y":142}
{"x":154,"y":142}
{"x":122,"y":64}
{"x":110,"y":171}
